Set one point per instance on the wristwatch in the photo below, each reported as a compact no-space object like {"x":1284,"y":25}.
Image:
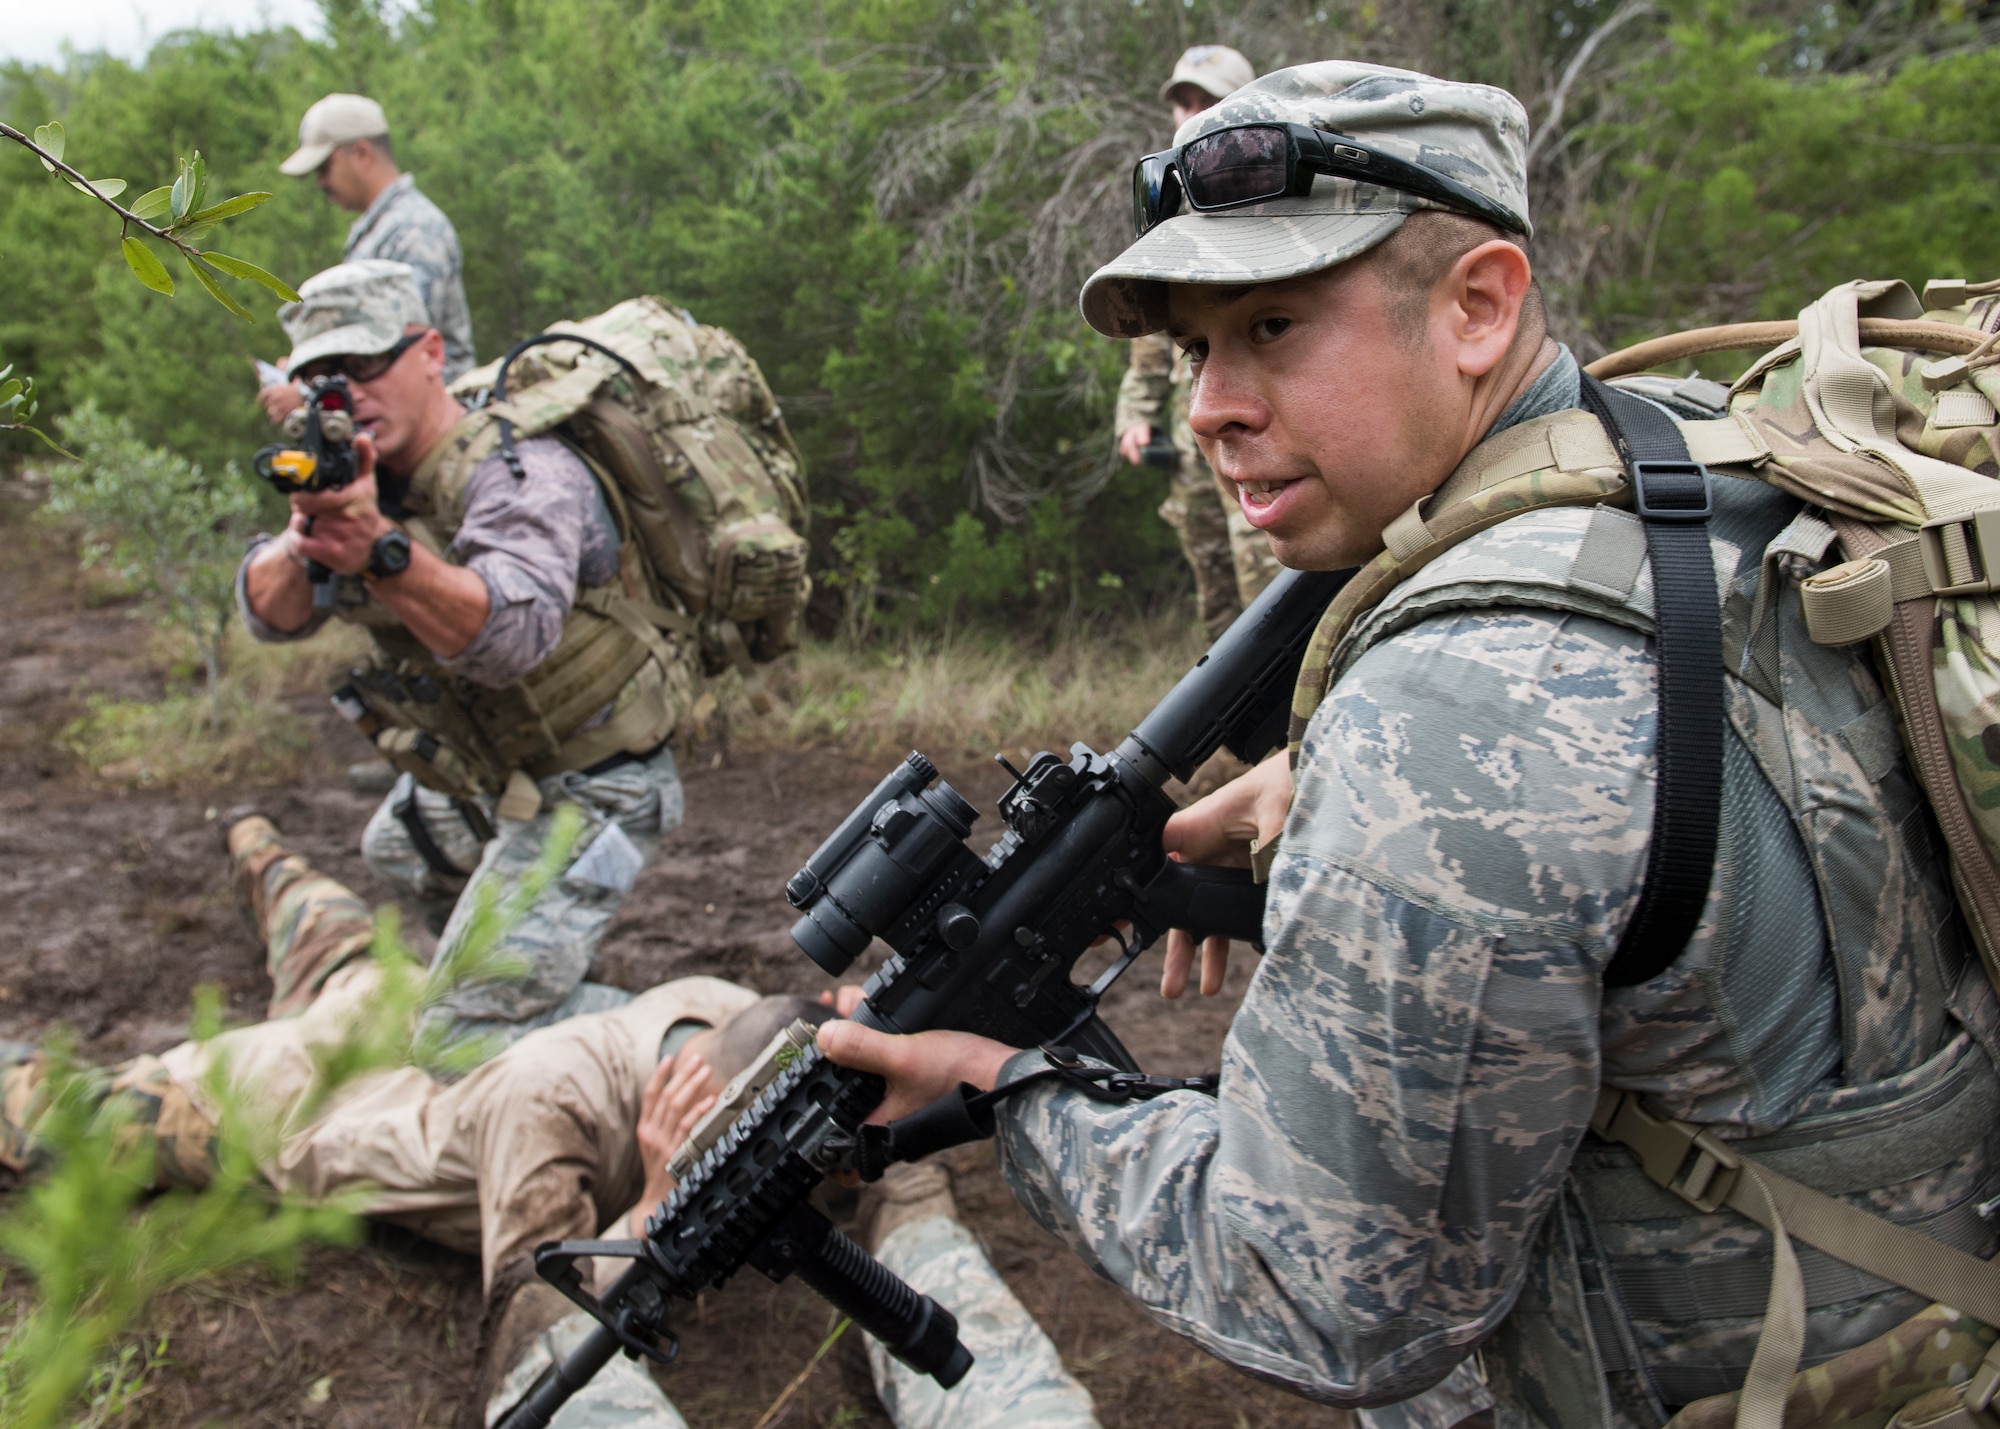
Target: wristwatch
{"x":389,"y":556}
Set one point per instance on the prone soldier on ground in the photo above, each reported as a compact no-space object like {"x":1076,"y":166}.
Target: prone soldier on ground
{"x":1528,"y":1066}
{"x":1231,"y":560}
{"x":568,"y":1133}
{"x":344,"y":144}
{"x":536,"y":638}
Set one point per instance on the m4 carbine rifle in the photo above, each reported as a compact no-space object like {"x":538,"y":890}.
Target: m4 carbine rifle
{"x":980,"y":944}
{"x":317,"y":455}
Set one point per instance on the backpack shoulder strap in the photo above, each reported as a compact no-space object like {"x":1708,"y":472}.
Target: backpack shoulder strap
{"x":1673,"y":499}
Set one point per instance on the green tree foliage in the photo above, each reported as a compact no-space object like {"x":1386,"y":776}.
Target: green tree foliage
{"x":893,"y":202}
{"x":162,"y":523}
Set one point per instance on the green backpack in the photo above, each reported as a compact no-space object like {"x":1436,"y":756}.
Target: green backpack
{"x":677,"y":419}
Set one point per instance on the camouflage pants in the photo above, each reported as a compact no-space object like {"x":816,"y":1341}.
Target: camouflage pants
{"x":1230,"y":558}
{"x":311,"y":927}
{"x":626,"y":811}
{"x":1018,"y":1381}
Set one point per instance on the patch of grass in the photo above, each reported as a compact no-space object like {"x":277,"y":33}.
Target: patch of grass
{"x":171,"y":741}
{"x":969,"y":694}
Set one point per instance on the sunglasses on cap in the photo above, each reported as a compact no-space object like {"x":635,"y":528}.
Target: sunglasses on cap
{"x":362,"y":368}
{"x":1258,"y":162}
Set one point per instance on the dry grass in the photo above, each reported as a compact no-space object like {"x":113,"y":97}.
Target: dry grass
{"x":175,"y":742}
{"x":957,"y":698}
{"x":974,"y":693}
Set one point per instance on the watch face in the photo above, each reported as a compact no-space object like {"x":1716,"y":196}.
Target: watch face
{"x":391,"y":555}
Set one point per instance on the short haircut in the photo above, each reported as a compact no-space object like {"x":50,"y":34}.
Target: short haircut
{"x":1415,"y":258}
{"x":380,"y":141}
{"x":738,"y":1041}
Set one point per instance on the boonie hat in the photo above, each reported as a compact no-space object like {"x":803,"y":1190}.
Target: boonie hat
{"x":352,"y":310}
{"x":1215,"y":70}
{"x":1473,"y":133}
{"x":337,"y":119}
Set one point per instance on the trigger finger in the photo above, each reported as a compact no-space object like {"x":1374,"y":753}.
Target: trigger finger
{"x":1180,"y":958}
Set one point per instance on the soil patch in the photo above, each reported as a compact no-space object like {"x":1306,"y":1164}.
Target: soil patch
{"x":120,"y":909}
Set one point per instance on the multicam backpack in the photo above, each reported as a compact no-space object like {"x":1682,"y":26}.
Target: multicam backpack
{"x":677,"y":416}
{"x":1879,"y":413}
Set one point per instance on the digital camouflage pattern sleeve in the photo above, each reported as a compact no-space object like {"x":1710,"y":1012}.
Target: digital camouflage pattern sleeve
{"x":1417,"y":1055}
{"x":404,"y":226}
{"x":1145,"y":391}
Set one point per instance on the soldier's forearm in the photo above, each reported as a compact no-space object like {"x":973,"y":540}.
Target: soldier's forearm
{"x":443,"y":605}
{"x":275,"y":588}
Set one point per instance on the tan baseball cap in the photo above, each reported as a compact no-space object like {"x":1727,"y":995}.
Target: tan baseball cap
{"x":352,"y":310}
{"x":1473,"y":134}
{"x":1215,"y":70}
{"x":337,"y":119}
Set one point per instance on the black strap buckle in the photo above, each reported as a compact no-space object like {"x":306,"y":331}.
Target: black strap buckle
{"x":1675,"y":492}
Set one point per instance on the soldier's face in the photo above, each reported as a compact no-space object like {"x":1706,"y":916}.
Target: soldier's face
{"x":395,"y":407}
{"x":1324,"y":418}
{"x":341,"y":178}
{"x":1330,"y":409}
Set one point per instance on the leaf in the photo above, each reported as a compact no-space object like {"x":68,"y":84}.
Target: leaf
{"x":50,"y":442}
{"x":104,"y":188}
{"x":10,"y":389}
{"x":227,"y":209}
{"x":237,"y":268}
{"x":183,"y":191}
{"x":50,"y":136}
{"x":152,"y":205}
{"x":200,"y":181}
{"x":148,"y":269}
{"x":200,"y":270}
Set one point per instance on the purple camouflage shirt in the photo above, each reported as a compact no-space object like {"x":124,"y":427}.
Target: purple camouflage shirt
{"x":535,"y":541}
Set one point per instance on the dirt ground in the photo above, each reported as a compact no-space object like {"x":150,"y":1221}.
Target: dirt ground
{"x":118,"y":908}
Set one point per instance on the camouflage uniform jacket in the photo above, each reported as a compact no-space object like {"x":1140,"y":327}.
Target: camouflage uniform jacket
{"x":404,"y":226}
{"x":1396,"y":1168}
{"x":535,"y":542}
{"x":1154,"y":389}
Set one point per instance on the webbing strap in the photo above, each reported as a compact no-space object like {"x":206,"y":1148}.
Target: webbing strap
{"x":1673,"y":499}
{"x":1704,"y":1171}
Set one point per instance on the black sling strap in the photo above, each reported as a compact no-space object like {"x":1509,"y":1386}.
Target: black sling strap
{"x":1672,"y":496}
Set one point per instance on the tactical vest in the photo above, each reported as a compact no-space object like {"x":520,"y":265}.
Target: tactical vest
{"x":620,"y":679}
{"x":1636,"y":1302}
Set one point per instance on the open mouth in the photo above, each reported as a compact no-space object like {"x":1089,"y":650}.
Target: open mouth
{"x":1260,"y":493}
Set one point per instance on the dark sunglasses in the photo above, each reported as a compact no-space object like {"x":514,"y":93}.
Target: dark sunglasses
{"x":360,"y":369}
{"x":1254,"y":163}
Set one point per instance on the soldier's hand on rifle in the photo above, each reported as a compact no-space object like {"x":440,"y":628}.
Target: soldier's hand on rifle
{"x":919,"y":1068}
{"x":1133,"y":441}
{"x":338,"y":528}
{"x":280,"y":400}
{"x":1218,"y":830}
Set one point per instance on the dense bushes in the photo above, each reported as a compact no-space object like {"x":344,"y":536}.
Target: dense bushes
{"x":892,"y":201}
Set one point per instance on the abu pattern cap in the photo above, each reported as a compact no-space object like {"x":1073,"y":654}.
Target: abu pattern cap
{"x":352,"y":310}
{"x":1215,"y":70}
{"x":337,"y":119}
{"x":1473,"y":133}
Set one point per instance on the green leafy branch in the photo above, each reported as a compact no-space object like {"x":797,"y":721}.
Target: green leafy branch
{"x":18,"y":405}
{"x":181,"y":204}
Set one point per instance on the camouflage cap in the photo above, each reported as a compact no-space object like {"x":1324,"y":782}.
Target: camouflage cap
{"x":1473,"y":133}
{"x":352,"y":310}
